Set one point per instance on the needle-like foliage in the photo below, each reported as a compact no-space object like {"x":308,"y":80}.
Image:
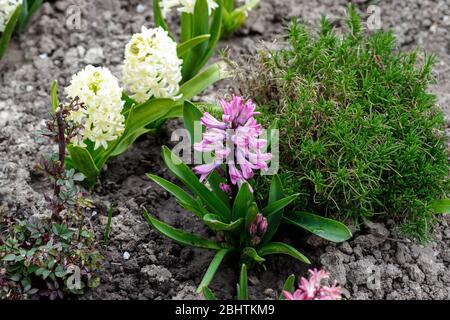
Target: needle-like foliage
{"x":361,"y":134}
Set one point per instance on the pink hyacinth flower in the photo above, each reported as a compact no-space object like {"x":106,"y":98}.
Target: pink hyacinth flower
{"x":240,"y":128}
{"x":312,"y":289}
{"x":225,"y":187}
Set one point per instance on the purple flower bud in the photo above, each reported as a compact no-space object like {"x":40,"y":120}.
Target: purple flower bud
{"x":257,"y":229}
{"x":225,"y":187}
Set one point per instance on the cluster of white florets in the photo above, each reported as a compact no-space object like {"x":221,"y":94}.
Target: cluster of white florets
{"x":101,"y":119}
{"x":7,"y":8}
{"x":152,"y":67}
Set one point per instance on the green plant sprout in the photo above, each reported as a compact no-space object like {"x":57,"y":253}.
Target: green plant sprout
{"x":14,"y":18}
{"x":234,"y":16}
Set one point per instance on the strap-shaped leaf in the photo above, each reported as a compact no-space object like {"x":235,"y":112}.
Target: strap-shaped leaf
{"x":186,"y":175}
{"x":242,"y":292}
{"x":147,"y":113}
{"x":127,"y":140}
{"x":173,"y":189}
{"x":213,"y":221}
{"x":83,"y":162}
{"x":281,"y":248}
{"x":326,"y":228}
{"x":251,"y":253}
{"x":191,"y":116}
{"x":175,"y":112}
{"x":31,"y":7}
{"x":278,"y":205}
{"x":274,"y":220}
{"x":183,"y":48}
{"x":157,"y":15}
{"x":215,"y":31}
{"x":213,"y":266}
{"x":204,"y":79}
{"x":138,"y":118}
{"x":54,"y":95}
{"x":9,"y":29}
{"x":179,"y":236}
{"x":228,"y":5}
{"x":208,"y":294}
{"x":23,"y":17}
{"x":242,"y":202}
{"x":186,"y":26}
{"x":441,"y":206}
{"x":200,"y":26}
{"x":288,"y":286}
{"x":129,"y":102}
{"x":251,"y":214}
{"x":196,"y":209}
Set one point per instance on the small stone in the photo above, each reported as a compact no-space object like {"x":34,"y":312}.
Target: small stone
{"x":258,"y":27}
{"x":94,"y":56}
{"x":426,"y":23}
{"x":268,"y":292}
{"x":126,"y":255}
{"x":333,"y":262}
{"x":140,"y":8}
{"x":158,"y":273}
{"x":346,"y":248}
{"x":415,"y":273}
{"x":403,"y":256}
{"x":359,"y":272}
{"x":368,"y":241}
{"x":315,"y":241}
{"x":446,"y":255}
{"x":393,"y":271}
{"x":377,"y":229}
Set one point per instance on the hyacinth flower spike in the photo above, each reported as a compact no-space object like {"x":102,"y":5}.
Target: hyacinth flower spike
{"x":218,"y":191}
{"x":312,"y":288}
{"x":235,"y":141}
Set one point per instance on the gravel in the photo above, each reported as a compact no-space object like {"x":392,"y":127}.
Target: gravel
{"x":66,"y":35}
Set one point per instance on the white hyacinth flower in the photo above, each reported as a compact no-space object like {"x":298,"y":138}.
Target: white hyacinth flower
{"x":184,"y":6}
{"x":152,"y":67}
{"x":7,"y":8}
{"x":102,"y":120}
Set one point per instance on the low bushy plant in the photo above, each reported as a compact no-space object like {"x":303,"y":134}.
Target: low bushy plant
{"x":41,"y":260}
{"x":361,"y":135}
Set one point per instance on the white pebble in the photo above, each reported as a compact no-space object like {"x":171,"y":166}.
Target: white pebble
{"x":140,"y":8}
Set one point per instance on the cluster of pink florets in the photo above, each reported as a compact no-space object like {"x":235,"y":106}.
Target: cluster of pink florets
{"x":235,"y":141}
{"x":312,"y":289}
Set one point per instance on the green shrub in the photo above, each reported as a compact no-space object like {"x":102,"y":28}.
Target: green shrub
{"x":360,"y":135}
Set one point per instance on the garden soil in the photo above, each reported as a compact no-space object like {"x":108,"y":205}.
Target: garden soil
{"x":139,"y":263}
